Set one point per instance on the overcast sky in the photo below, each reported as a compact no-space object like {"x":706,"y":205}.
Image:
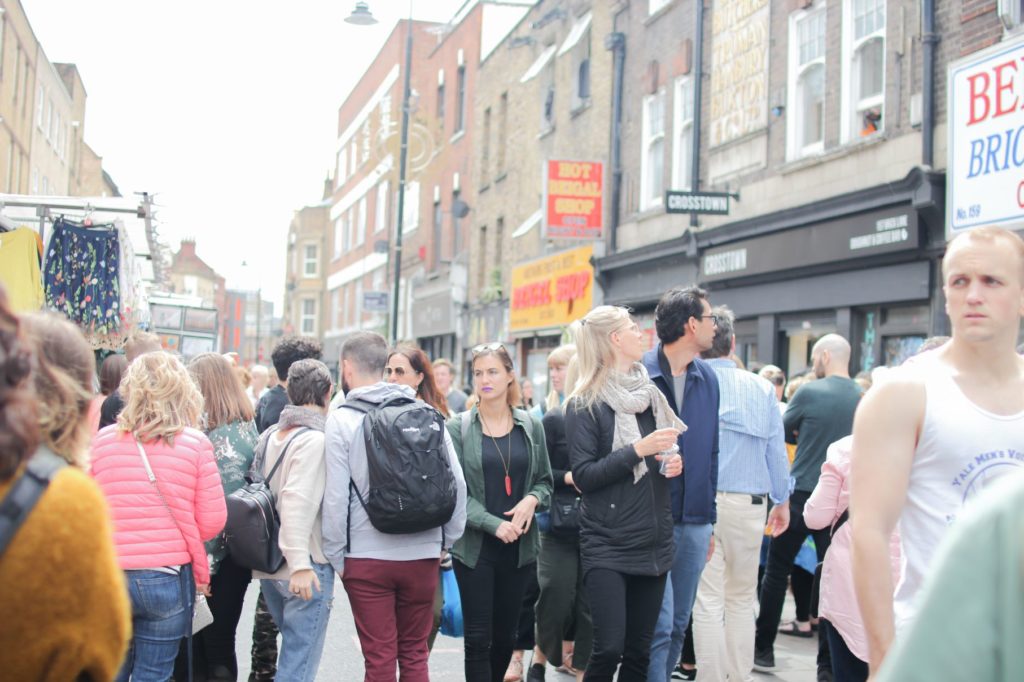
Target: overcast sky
{"x":226,"y":110}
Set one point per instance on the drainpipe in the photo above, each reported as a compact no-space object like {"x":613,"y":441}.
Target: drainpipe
{"x":928,"y":41}
{"x":698,"y":81}
{"x":616,"y":42}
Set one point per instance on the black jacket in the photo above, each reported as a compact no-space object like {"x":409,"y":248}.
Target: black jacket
{"x":268,"y":409}
{"x":625,"y":527}
{"x":558,"y":451}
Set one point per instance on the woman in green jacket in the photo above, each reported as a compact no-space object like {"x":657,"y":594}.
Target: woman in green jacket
{"x":508,"y":479}
{"x":228,"y":423}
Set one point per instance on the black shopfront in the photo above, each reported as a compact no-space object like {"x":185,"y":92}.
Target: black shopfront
{"x":865,"y":265}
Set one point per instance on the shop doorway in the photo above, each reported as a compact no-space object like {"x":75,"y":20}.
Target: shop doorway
{"x":797,"y":335}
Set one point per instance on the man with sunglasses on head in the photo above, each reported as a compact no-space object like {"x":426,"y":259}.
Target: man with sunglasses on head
{"x":686,"y":328}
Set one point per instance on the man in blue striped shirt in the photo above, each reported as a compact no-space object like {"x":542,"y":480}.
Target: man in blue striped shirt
{"x":752,"y":464}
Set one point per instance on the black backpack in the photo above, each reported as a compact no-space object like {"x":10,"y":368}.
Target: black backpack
{"x":253,"y":523}
{"x":411,"y":483}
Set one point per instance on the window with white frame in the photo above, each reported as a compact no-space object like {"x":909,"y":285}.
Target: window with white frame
{"x":365,"y":142}
{"x":652,"y":163}
{"x":337,"y":305}
{"x":350,"y":232}
{"x":308,"y":316}
{"x":547,"y":110}
{"x":381,"y":216}
{"x":358,"y":304}
{"x":460,"y":99}
{"x":361,"y":222}
{"x":342,"y":172}
{"x":40,"y":105}
{"x":346,"y":228}
{"x":682,"y":146}
{"x":581,"y":71}
{"x":385,"y":114}
{"x":353,"y":162}
{"x":309,"y":261}
{"x":805,"y":128}
{"x":655,"y":5}
{"x":863,"y":68}
{"x":411,"y":210}
{"x":339,"y":237}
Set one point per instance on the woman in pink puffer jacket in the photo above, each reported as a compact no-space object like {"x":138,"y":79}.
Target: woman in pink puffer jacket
{"x":162,"y":555}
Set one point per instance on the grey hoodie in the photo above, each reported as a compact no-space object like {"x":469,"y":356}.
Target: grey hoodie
{"x":346,"y":460}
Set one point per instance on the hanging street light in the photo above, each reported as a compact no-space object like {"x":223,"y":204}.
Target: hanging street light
{"x":361,"y":15}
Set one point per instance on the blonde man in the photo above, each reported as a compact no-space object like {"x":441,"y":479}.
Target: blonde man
{"x":936,"y":434}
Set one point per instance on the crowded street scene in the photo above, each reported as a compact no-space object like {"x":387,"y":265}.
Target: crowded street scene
{"x":512,"y":341}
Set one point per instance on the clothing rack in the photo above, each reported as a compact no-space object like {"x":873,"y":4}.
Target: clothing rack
{"x":44,"y":208}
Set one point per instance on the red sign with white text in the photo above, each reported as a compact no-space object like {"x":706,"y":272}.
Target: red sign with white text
{"x":573,"y":206}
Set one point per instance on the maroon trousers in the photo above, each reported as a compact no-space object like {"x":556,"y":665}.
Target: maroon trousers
{"x":393,"y":607}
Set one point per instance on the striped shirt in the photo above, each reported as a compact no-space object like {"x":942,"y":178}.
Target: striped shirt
{"x":751,"y":446}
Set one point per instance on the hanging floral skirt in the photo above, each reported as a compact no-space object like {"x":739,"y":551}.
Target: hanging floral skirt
{"x":81,"y":276}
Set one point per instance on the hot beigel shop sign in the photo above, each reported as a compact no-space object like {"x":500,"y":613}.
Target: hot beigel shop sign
{"x":985,"y":175}
{"x":553,"y":291}
{"x":573,"y":207}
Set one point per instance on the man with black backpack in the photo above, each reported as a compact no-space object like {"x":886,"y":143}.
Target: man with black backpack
{"x":395,"y":503}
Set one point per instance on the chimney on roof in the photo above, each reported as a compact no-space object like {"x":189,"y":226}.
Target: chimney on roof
{"x":188,"y":248}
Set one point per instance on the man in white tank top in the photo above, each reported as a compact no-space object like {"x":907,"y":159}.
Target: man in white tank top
{"x":935,"y":434}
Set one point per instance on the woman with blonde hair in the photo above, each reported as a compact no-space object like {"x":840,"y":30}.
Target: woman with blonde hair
{"x":62,"y":379}
{"x":228,"y":422}
{"x":66,"y":611}
{"x":508,"y":478}
{"x":160,"y":479}
{"x":622,"y":437}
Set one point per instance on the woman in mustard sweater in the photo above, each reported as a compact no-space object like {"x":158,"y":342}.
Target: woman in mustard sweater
{"x":66,"y":613}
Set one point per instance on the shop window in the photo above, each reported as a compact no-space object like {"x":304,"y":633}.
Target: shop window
{"x":805,"y":130}
{"x":682,"y":149}
{"x":652,"y":171}
{"x":898,"y":349}
{"x":863,"y":68}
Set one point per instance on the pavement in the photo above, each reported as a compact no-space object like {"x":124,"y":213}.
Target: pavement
{"x":343,"y":661}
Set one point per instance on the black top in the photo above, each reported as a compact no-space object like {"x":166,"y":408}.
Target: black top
{"x":111,"y":407}
{"x":558,"y":449}
{"x":496,"y":499}
{"x":624,"y":526}
{"x":268,"y":410}
{"x":822,"y":413}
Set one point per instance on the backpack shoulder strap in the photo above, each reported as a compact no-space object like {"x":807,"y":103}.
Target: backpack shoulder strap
{"x":288,"y":445}
{"x":843,"y":518}
{"x":360,"y":405}
{"x":24,"y":494}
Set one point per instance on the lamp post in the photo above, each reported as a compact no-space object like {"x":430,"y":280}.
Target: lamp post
{"x":361,"y":16}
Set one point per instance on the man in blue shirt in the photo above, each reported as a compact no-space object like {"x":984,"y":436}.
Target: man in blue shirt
{"x":752,"y":464}
{"x":686,"y":328}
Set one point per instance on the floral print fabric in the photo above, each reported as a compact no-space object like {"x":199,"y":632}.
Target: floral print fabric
{"x":233,"y":448}
{"x":81,"y":276}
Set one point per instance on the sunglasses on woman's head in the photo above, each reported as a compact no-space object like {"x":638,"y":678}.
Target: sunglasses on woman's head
{"x":496,"y":347}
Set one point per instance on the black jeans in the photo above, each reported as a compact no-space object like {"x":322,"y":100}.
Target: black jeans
{"x":213,"y":647}
{"x":492,"y":597}
{"x":525,"y":632}
{"x":624,"y":609}
{"x":845,"y":666}
{"x":781,"y":555}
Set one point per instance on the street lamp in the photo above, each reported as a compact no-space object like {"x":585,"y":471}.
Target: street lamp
{"x":361,"y":16}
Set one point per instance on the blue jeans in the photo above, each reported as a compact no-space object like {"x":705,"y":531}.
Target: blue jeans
{"x":692,"y":542}
{"x":161,"y":616}
{"x":303,"y":624}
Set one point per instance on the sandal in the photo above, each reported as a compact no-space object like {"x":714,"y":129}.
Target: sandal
{"x":514,"y":672}
{"x":793,"y":630}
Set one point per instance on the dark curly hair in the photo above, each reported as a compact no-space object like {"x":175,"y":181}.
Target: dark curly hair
{"x":291,"y":349}
{"x":19,"y":420}
{"x":675,"y":309}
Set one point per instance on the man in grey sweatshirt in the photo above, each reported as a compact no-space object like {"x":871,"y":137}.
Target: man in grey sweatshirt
{"x":404,"y":568}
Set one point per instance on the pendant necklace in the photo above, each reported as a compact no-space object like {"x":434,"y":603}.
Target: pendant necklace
{"x":505,"y":464}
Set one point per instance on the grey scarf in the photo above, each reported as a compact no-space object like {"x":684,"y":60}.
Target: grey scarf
{"x":291,"y":416}
{"x":629,"y":395}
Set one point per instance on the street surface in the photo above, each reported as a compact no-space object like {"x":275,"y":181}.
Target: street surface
{"x":343,"y":662}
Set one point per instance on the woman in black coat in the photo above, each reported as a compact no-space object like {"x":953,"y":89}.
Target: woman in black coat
{"x":623,"y":445}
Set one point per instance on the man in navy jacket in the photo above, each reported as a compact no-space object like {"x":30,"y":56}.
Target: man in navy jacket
{"x":686,"y":328}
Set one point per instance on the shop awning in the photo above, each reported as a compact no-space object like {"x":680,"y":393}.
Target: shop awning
{"x":578,"y":29}
{"x":541,"y":62}
{"x":529,"y":224}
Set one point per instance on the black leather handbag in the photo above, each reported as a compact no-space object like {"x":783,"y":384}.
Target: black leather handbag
{"x":253,"y":523}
